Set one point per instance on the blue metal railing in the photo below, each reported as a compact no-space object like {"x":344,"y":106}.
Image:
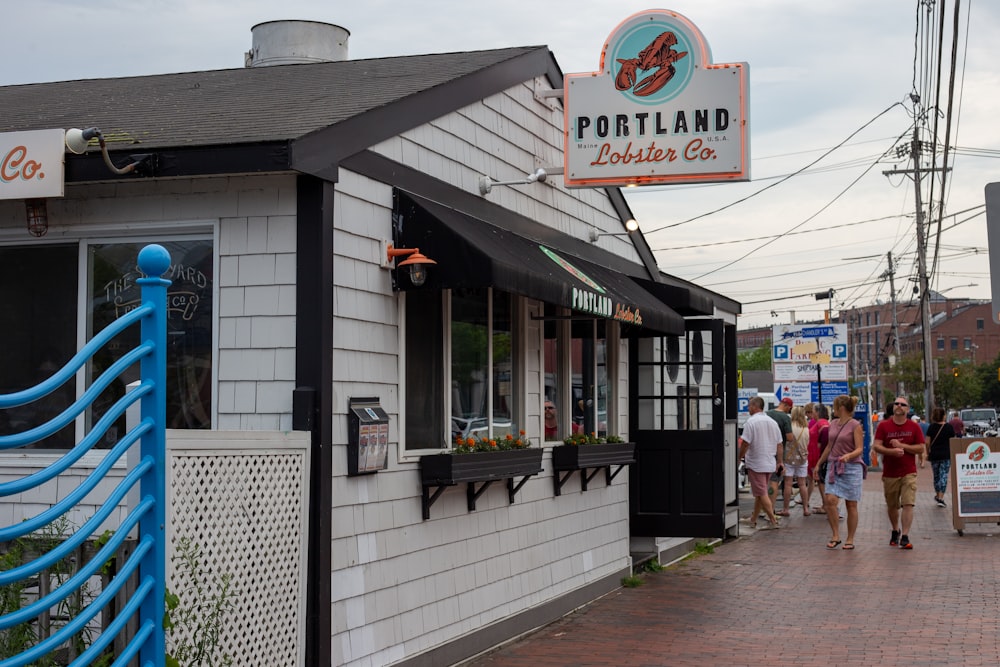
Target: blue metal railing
{"x":148,"y":476}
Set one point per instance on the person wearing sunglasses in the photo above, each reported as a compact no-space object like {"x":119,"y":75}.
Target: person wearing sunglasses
{"x":899,"y":441}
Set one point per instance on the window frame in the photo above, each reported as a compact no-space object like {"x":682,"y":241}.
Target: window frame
{"x":179,"y":231}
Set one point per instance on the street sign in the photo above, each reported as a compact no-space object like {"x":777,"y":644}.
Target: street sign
{"x":807,"y":372}
{"x":798,"y":343}
{"x":808,"y":392}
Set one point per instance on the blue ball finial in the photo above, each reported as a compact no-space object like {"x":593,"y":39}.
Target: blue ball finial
{"x":154,"y":260}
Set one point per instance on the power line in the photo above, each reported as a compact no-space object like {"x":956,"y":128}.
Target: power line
{"x":779,"y":182}
{"x":823,"y":208}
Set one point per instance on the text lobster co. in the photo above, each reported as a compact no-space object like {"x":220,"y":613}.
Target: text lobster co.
{"x":16,"y":165}
{"x":643,"y":124}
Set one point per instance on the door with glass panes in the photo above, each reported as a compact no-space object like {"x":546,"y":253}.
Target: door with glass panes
{"x":676,"y":418}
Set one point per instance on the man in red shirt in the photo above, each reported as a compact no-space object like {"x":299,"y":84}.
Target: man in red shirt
{"x":899,"y":441}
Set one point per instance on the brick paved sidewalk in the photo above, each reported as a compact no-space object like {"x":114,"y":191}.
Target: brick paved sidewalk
{"x":780,"y":597}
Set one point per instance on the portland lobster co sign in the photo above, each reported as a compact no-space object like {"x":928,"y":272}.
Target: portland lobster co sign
{"x":658,"y":111}
{"x":31,"y":164}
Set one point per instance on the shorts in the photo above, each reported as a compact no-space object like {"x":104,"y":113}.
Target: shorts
{"x":847,"y":485}
{"x":900,"y":491}
{"x":792,"y":470}
{"x":758,"y":483}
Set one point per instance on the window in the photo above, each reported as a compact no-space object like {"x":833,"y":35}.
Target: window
{"x":876,"y":317}
{"x":940,"y":344}
{"x":578,"y":374}
{"x":954,"y":343}
{"x":980,"y":324}
{"x":967,"y":343}
{"x":479,"y":336}
{"x":48,"y":310}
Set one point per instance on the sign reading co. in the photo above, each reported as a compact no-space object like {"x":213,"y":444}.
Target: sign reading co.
{"x":658,"y":111}
{"x":31,"y":164}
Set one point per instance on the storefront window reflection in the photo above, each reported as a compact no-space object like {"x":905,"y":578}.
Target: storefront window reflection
{"x":113,"y":292}
{"x":38,"y":290}
{"x":476,"y":329}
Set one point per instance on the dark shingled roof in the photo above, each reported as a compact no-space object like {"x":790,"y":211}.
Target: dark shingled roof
{"x":222,"y":107}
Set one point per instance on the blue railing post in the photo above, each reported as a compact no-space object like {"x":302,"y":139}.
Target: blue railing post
{"x":154,"y":260}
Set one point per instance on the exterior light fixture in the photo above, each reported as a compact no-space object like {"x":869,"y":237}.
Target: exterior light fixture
{"x":78,"y":140}
{"x":416,"y":262}
{"x":537,"y":176}
{"x":631,"y":225}
{"x":38,"y":217}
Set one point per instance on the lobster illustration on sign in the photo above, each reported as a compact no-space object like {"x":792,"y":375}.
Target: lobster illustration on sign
{"x":659,"y":55}
{"x":978,"y":454}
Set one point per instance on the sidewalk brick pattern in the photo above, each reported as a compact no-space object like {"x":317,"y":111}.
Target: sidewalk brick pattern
{"x":780,"y":597}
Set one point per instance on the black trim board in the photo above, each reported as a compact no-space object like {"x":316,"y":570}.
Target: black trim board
{"x":320,"y":152}
{"x":183,"y":162}
{"x":314,"y":378}
{"x":511,"y":627}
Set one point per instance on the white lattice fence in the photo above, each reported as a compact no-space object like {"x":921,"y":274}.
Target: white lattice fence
{"x":242,"y":499}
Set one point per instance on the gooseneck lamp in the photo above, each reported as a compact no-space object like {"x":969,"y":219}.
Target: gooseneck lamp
{"x":416,"y":262}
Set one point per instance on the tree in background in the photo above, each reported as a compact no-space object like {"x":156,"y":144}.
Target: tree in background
{"x":758,"y":359}
{"x":988,"y":382}
{"x":907,"y":371}
{"x":959,"y":384}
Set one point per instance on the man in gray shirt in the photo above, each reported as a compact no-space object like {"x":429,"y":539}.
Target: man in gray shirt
{"x":780,"y":416}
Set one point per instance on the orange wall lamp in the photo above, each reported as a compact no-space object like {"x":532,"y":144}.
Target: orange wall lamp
{"x":415,"y":261}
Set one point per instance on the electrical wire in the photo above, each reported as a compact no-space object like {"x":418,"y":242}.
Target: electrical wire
{"x":779,"y":182}
{"x":822,"y":208}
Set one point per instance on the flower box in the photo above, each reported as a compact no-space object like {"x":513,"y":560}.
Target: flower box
{"x":441,"y":470}
{"x":570,"y":458}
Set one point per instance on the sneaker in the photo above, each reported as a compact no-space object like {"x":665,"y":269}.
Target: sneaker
{"x":940,"y":502}
{"x":904,"y":542}
{"x":894,"y":539}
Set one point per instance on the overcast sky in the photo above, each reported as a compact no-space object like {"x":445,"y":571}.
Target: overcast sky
{"x":819,"y":72}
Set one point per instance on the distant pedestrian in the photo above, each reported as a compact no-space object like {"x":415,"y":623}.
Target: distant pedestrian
{"x":939,"y":436}
{"x":957,"y":424}
{"x":846,"y":469}
{"x":898,"y":441}
{"x":797,"y":461}
{"x":762,"y":446}
{"x":780,"y":415}
{"x":818,"y":432}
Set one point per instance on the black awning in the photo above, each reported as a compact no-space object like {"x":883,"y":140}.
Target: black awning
{"x":474,"y":253}
{"x":685,"y":301}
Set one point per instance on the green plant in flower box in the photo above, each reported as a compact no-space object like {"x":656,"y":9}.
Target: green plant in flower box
{"x":474,"y":445}
{"x":591,"y":439}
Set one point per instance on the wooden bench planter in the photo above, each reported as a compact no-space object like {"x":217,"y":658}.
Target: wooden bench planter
{"x":439,"y":471}
{"x":570,"y":458}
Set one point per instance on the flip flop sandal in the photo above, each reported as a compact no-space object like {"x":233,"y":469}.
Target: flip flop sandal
{"x":833,"y":544}
{"x":848,"y":547}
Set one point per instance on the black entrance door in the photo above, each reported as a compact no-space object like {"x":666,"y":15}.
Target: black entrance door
{"x":676,"y":418}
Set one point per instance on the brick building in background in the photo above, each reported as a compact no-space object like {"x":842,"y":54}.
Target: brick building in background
{"x":962,"y":332}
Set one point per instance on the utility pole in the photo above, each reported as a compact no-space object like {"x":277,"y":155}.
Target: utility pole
{"x":925,"y":296}
{"x":900,"y":389}
{"x":925,"y":300}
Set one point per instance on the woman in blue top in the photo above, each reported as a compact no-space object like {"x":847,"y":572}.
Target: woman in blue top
{"x":845,"y":470}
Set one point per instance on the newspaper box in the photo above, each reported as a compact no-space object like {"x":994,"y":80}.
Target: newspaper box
{"x":367,"y":436}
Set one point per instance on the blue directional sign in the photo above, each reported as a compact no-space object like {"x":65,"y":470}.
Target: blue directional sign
{"x":839,"y":351}
{"x":818,"y":332}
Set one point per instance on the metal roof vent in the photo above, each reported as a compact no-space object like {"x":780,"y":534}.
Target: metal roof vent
{"x":296,"y":43}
